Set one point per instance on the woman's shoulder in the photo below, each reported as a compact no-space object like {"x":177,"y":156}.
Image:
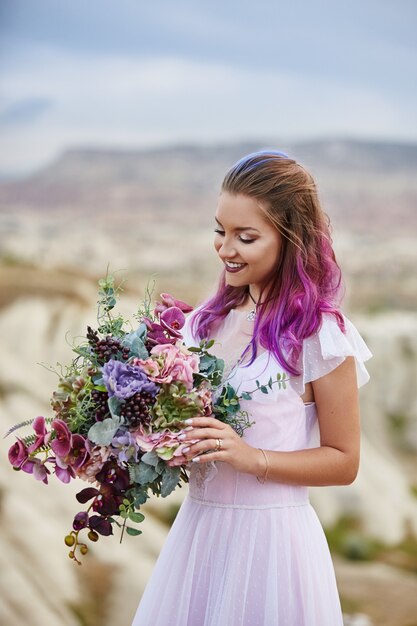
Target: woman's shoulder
{"x":329,"y":346}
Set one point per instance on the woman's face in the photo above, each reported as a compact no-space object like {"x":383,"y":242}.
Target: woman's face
{"x":245,"y":237}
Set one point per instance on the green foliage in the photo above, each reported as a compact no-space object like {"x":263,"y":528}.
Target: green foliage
{"x":108,"y":294}
{"x":170,"y":479}
{"x":48,"y":420}
{"x":127,"y":512}
{"x":136,"y":342}
{"x":102,"y":433}
{"x":211,"y":368}
{"x":145,"y":309}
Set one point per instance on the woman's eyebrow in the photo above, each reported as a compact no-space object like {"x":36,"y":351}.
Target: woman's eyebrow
{"x":239,"y":228}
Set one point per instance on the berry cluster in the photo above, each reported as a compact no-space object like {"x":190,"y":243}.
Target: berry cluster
{"x":101,"y":408}
{"x":135,"y":410}
{"x":107,"y":348}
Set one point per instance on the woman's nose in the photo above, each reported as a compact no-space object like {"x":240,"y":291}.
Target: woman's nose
{"x":226,"y":250}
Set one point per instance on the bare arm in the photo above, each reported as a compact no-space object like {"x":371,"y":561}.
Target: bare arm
{"x":336,"y":461}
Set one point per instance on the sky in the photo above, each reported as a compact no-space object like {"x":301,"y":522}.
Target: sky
{"x":130,"y":74}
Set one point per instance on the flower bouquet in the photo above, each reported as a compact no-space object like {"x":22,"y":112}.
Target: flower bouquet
{"x":119,"y":408}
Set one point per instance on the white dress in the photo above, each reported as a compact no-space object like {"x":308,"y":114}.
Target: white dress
{"x":242,"y":553}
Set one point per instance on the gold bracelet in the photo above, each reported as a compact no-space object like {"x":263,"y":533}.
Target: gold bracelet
{"x":267,"y":467}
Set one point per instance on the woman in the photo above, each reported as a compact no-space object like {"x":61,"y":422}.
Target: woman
{"x":246,"y":547}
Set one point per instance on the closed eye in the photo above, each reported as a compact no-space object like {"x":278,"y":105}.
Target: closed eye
{"x":221,"y":232}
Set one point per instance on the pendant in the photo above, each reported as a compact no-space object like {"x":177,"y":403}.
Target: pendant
{"x":251,"y":315}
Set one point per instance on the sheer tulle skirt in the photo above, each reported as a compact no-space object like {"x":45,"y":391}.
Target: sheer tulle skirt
{"x":229,"y":566}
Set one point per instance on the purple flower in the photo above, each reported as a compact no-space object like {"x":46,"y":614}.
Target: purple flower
{"x":40,"y":471}
{"x":78,"y":453}
{"x":172,"y":320}
{"x":156,"y":334}
{"x":18,"y":453}
{"x":123,"y":380}
{"x":37,"y":468}
{"x":170,"y":301}
{"x":80,"y":521}
{"x":63,"y":471}
{"x":42,"y":434}
{"x":101,"y":525}
{"x":125,"y":447}
{"x":61,"y":445}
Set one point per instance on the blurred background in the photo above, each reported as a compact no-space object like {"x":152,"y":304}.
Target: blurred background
{"x":118,"y":122}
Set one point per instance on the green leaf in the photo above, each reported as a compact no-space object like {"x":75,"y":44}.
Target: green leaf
{"x":264,"y":389}
{"x":102,"y":433}
{"x":136,"y":517}
{"x":210,"y":344}
{"x":151,"y":458}
{"x":144,"y":473}
{"x":170,"y":480}
{"x":279,"y":376}
{"x":134,"y":532}
{"x":246,"y":396}
{"x":114,"y":405}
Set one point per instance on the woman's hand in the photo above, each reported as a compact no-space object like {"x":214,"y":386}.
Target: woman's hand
{"x":243,"y":457}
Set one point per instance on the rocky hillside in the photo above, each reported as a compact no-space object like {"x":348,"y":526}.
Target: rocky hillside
{"x":149,"y":214}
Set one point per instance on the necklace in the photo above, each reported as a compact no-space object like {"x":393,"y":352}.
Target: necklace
{"x":252,"y":314}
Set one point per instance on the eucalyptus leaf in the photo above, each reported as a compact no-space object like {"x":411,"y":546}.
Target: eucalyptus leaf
{"x":114,"y":405}
{"x":170,"y":480}
{"x":151,"y":458}
{"x":133,"y":531}
{"x":136,"y":517}
{"x":102,"y":433}
{"x":144,"y":473}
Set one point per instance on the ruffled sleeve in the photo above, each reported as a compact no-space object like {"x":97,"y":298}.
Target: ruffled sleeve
{"x":328,"y":348}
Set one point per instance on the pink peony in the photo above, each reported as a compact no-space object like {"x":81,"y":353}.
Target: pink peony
{"x":206,"y":398}
{"x":175,"y":364}
{"x":165,"y":443}
{"x":98,"y":457}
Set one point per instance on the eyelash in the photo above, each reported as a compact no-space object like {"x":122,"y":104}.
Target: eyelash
{"x":221,"y":232}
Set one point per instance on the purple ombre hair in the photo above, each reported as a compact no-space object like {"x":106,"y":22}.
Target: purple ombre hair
{"x":307,"y":279}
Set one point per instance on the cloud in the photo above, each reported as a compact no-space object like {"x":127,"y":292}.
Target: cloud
{"x":115,"y":99}
{"x":23,"y":112}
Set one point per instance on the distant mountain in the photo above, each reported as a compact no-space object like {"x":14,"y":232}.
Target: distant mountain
{"x":364,"y":186}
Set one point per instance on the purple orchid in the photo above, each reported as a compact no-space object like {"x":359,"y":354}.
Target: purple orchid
{"x":156,"y":334}
{"x":169,"y":301}
{"x":42,"y":434}
{"x":78,"y":454}
{"x":123,"y":380}
{"x":63,"y":471}
{"x":80,"y":520}
{"x":37,"y":468}
{"x":18,"y":454}
{"x":61,"y":445}
{"x":40,"y":471}
{"x":172,"y":319}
